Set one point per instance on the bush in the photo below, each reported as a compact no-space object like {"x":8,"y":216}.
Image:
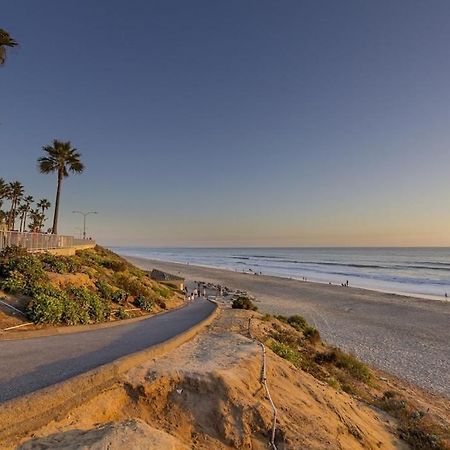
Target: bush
{"x":59,"y":264}
{"x":14,"y":283}
{"x":96,"y":309}
{"x":312,"y":334}
{"x":297,"y":322}
{"x":144,"y":303}
{"x":116,"y":265}
{"x":344,"y":361}
{"x":20,"y":270}
{"x":73,"y":314}
{"x":244,"y":303}
{"x":104,"y":289}
{"x":46,"y":306}
{"x":286,"y":352}
{"x":132,"y":285}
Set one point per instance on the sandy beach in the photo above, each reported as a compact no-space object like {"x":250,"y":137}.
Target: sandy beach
{"x":406,"y":336}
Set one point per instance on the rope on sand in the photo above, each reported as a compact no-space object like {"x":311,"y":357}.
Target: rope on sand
{"x":263,"y":381}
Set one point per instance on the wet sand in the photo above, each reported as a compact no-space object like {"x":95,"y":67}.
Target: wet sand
{"x":408,"y":337}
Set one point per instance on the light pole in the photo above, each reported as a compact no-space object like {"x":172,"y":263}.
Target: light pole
{"x":84,"y":214}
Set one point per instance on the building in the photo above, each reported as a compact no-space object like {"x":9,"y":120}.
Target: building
{"x":167,"y":278}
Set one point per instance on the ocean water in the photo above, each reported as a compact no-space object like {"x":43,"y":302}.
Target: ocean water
{"x":422,"y":272}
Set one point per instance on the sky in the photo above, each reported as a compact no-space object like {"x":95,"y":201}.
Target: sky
{"x":235,"y":123}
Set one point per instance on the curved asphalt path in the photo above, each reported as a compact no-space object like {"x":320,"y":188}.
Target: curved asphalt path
{"x":27,"y":365}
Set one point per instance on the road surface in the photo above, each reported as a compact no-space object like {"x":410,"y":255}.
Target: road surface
{"x":31,"y":364}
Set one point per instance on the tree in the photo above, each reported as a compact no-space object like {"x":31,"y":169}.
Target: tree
{"x":36,"y":220}
{"x":43,"y":204}
{"x":27,"y":201}
{"x":6,"y":41}
{"x":4,"y":191}
{"x":62,"y":159}
{"x":15,"y":194}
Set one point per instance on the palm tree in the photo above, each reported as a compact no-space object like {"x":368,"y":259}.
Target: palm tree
{"x":15,"y":194}
{"x":43,"y":204}
{"x":4,"y":191}
{"x":36,"y":220}
{"x":5,"y":41}
{"x":62,"y":159}
{"x":27,"y":201}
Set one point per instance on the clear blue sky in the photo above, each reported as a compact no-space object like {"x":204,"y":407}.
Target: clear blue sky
{"x":236,"y":122}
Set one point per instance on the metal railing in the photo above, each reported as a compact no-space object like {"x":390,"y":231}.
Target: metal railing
{"x":39,"y":241}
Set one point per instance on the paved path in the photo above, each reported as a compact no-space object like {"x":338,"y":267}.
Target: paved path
{"x":31,"y":364}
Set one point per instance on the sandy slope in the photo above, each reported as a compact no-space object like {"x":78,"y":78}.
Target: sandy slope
{"x":207,"y":394}
{"x":403,"y":335}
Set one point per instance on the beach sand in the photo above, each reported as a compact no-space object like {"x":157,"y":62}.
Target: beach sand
{"x":406,"y":336}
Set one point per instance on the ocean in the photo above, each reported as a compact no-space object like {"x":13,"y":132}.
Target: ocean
{"x":421,"y":272}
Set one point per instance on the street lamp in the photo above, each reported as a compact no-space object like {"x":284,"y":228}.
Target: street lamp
{"x":84,"y":214}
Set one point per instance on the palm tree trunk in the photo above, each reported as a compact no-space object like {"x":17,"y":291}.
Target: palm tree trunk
{"x":12,"y":214}
{"x":22,"y":217}
{"x":58,"y":194}
{"x":25,"y":221}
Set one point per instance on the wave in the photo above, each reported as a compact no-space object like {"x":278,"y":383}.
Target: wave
{"x":441,"y":266}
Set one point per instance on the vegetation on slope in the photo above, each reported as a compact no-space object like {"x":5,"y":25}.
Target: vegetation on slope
{"x":95,"y":285}
{"x":293,"y":339}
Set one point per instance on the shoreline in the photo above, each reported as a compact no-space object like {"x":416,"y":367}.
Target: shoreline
{"x":405,"y":336}
{"x":312,"y":279}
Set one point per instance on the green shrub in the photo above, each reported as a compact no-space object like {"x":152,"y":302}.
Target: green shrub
{"x":122,"y":314}
{"x":104,"y":289}
{"x":96,"y":309}
{"x":144,"y":303}
{"x":14,"y":261}
{"x":286,"y":352}
{"x":59,"y":264}
{"x":132,"y":285}
{"x":297,"y":322}
{"x":74,"y":314}
{"x":312,"y":334}
{"x":46,"y":306}
{"x":14,"y":283}
{"x":355,"y":368}
{"x":244,"y":303}
{"x":119,"y":296}
{"x":344,"y":361}
{"x":116,"y":265}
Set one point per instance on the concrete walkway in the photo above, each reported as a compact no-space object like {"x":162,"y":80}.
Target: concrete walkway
{"x":27,"y":365}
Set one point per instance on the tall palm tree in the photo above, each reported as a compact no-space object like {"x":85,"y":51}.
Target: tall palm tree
{"x":62,"y":159}
{"x":5,"y":41}
{"x":15,"y":194}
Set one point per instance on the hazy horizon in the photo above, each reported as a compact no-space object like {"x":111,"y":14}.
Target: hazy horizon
{"x":236,"y":124}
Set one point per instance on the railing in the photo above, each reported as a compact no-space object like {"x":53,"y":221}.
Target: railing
{"x":40,"y":241}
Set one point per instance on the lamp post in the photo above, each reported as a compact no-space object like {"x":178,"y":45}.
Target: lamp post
{"x":84,"y":214}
